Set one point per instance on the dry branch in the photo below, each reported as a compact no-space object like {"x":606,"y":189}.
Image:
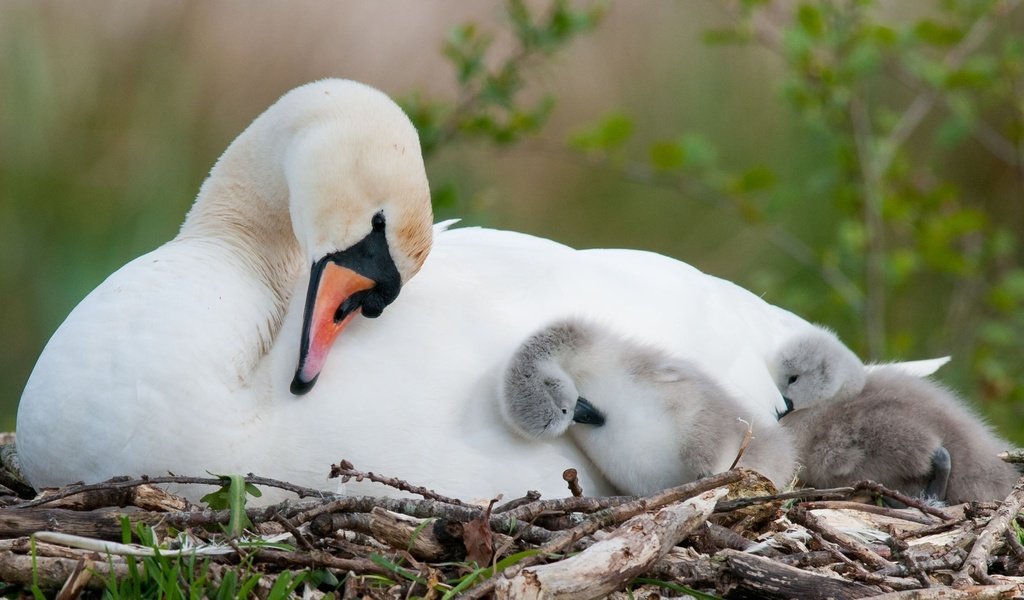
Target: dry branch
{"x":746,"y":575}
{"x":976,"y":565}
{"x":612,"y":562}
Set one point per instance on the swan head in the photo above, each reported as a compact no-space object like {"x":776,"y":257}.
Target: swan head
{"x":814,"y":367}
{"x":544,"y":403}
{"x":359,"y":202}
{"x":539,"y":399}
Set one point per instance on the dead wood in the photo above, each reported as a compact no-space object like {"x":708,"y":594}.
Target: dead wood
{"x":420,"y":537}
{"x":799,"y":514}
{"x":145,"y":496}
{"x":76,"y":582}
{"x":612,"y":562}
{"x":346,"y":470}
{"x":895,"y":513}
{"x":120,"y":483}
{"x":572,"y":479}
{"x":424,"y":541}
{"x":739,"y":503}
{"x":976,"y":564}
{"x":531,"y":496}
{"x":973,"y":592}
{"x":1015,"y":455}
{"x":918,"y":503}
{"x":749,"y":576}
{"x":51,"y":573}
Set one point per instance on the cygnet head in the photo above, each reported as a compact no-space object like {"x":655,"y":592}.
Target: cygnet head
{"x":352,"y":173}
{"x":539,"y":399}
{"x":814,"y":367}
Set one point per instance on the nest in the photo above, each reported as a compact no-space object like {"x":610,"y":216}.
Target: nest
{"x":729,"y":535}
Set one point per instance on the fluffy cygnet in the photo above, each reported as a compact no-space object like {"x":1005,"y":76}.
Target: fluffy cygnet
{"x":884,"y":424}
{"x":648,"y":420}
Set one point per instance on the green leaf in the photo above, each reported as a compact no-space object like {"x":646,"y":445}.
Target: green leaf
{"x":232,"y":496}
{"x":810,"y":19}
{"x":755,"y":179}
{"x":610,"y":133}
{"x":937,"y":34}
{"x":725,"y":35}
{"x":667,"y":155}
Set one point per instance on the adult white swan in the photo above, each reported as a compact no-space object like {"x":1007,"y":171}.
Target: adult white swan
{"x":202,"y":355}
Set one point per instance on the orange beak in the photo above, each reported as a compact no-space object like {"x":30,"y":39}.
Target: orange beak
{"x":331,"y":302}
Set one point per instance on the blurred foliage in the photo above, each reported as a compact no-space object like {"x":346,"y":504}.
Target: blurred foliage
{"x":490,"y":105}
{"x":887,"y":109}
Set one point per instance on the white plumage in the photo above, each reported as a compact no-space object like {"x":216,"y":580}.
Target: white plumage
{"x":181,"y":360}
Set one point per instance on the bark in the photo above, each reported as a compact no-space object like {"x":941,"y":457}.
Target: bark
{"x":614,"y":561}
{"x":749,"y":576}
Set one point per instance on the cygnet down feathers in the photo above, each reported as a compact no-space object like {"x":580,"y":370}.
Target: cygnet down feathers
{"x":884,"y":424}
{"x":648,"y":420}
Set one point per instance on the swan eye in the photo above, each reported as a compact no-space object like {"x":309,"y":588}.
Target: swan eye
{"x":378,"y":221}
{"x":793,"y":378}
{"x":565,"y":411}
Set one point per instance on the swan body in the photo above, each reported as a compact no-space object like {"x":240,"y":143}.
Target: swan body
{"x":647,"y":419}
{"x":886,"y":424}
{"x":220,"y":350}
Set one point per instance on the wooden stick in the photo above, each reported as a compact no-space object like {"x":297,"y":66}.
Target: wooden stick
{"x":731,"y":505}
{"x":571,"y":477}
{"x":346,"y":470}
{"x":974,"y":592}
{"x":885,"y":511}
{"x":801,"y":515}
{"x":917,"y":503}
{"x":748,"y":576}
{"x":614,"y":561}
{"x":120,"y":483}
{"x":976,"y":565}
{"x":618,"y":514}
{"x":52,"y":572}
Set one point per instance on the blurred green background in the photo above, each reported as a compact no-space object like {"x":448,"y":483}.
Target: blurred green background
{"x":859,"y":163}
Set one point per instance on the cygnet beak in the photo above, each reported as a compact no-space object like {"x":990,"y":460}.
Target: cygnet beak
{"x":586,"y":413}
{"x":789,"y":408}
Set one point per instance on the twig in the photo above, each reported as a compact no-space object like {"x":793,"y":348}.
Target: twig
{"x":1015,"y":456}
{"x":531,"y":496}
{"x":529,"y":512}
{"x":300,"y":539}
{"x":319,"y":558}
{"x":802,"y":516}
{"x":747,"y":436}
{"x":414,"y":507}
{"x":976,"y":565}
{"x":895,"y":513}
{"x":731,"y":505}
{"x":858,"y":571}
{"x":929,"y":530}
{"x":118,"y":484}
{"x":571,"y":478}
{"x":614,"y":515}
{"x":918,"y":503}
{"x":347,"y":470}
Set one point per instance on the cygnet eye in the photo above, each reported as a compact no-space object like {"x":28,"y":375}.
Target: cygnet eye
{"x":565,"y":411}
{"x":793,"y":378}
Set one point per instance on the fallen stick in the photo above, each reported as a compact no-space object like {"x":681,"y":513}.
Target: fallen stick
{"x":976,"y":564}
{"x":802,"y":516}
{"x":749,"y":576}
{"x":614,"y":561}
{"x":52,"y":573}
{"x":973,"y":592}
{"x":615,"y":515}
{"x":917,"y":503}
